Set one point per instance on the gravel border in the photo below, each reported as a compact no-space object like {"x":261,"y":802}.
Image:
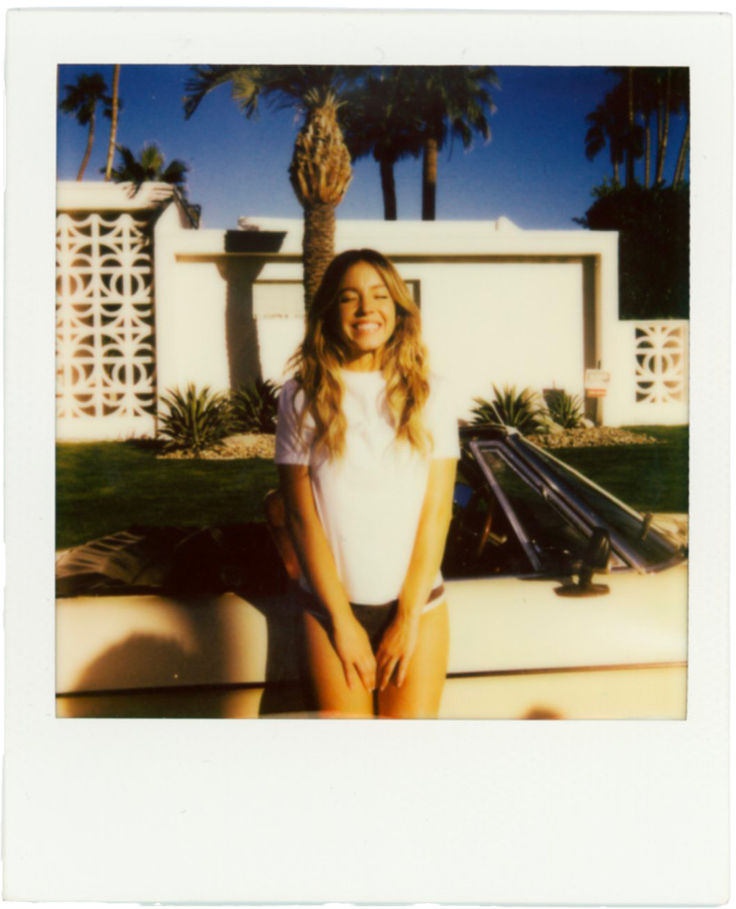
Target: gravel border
{"x":588,"y":437}
{"x":241,"y":445}
{"x":262,"y":445}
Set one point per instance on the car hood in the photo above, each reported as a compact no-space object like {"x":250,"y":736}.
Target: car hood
{"x":113,"y":643}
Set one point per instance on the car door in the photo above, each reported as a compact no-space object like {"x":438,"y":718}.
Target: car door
{"x":521,"y":648}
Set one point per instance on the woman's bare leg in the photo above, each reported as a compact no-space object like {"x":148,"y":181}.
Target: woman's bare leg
{"x":334,"y":697}
{"x":420,"y":694}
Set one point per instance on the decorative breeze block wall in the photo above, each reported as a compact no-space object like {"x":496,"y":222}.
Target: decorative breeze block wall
{"x":105,"y":325}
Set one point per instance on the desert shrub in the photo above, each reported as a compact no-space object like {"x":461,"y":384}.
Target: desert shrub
{"x":564,"y":409}
{"x":194,"y":420}
{"x":509,"y":408}
{"x":254,"y":406}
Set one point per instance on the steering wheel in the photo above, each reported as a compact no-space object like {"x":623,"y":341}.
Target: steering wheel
{"x":486,"y":536}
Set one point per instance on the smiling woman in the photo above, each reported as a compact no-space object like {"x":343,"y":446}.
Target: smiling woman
{"x":366,"y":446}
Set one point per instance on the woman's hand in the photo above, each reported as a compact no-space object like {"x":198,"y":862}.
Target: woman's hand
{"x":396,"y":649}
{"x":355,"y":652}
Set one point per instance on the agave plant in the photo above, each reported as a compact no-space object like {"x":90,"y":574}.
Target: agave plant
{"x":566,"y":410}
{"x":254,"y":406}
{"x":194,"y":420}
{"x":508,"y":408}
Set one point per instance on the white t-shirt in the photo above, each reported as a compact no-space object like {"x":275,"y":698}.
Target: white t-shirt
{"x":368,"y":501}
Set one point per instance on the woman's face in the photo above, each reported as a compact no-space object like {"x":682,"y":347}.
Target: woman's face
{"x":366,"y":316}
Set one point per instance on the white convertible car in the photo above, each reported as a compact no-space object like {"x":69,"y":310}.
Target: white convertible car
{"x":186,"y":622}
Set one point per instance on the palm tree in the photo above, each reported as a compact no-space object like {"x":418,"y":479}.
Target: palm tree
{"x":452,"y":101}
{"x":81,"y":99}
{"x":624,"y":104}
{"x":681,"y":156}
{"x":680,"y":100}
{"x":115,"y":107}
{"x":380,"y":118}
{"x":607,"y":125}
{"x":320,"y":173}
{"x":149,"y":166}
{"x":320,"y":170}
{"x":644,"y":91}
{"x":647,"y":102}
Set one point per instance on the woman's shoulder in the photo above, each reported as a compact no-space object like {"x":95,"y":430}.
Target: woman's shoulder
{"x":291,"y":392}
{"x":290,"y":386}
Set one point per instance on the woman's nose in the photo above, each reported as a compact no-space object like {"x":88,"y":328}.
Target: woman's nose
{"x":365,"y":304}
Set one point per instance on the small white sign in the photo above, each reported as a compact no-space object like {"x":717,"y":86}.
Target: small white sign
{"x":597,"y":379}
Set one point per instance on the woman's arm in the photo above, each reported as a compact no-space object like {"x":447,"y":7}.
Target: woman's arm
{"x":315,"y":556}
{"x":399,"y":640}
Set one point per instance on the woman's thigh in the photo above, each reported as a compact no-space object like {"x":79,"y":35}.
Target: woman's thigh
{"x":334,"y":697}
{"x":420,"y":694}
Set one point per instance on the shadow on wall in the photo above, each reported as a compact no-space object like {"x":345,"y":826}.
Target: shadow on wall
{"x":241,"y":330}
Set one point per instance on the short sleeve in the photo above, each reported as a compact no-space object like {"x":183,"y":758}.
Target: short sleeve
{"x":442,"y":419}
{"x":292,"y":446}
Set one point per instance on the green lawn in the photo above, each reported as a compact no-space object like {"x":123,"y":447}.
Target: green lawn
{"x":106,"y":486}
{"x":102,"y":487}
{"x":648,"y":477}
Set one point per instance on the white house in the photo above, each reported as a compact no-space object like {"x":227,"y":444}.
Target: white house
{"x":147,"y":302}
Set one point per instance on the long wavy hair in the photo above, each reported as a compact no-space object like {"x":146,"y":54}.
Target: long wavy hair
{"x":403,"y":363}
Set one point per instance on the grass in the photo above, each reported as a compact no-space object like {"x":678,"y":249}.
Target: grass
{"x":102,"y":487}
{"x":647,"y":477}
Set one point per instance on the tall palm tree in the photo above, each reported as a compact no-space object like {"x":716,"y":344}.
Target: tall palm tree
{"x":114,"y":109}
{"x":680,"y":100}
{"x":81,"y":99}
{"x":320,"y":170}
{"x":607,"y":125}
{"x":149,"y":166}
{"x":682,"y":156}
{"x":647,"y":104}
{"x":455,"y":102}
{"x":624,"y":103}
{"x":381,"y":118}
{"x":320,"y":173}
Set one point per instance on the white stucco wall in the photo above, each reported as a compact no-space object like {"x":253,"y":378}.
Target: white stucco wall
{"x":516,"y":322}
{"x":190,"y":310}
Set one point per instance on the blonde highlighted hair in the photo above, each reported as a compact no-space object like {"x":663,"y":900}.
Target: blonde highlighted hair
{"x":321,"y":355}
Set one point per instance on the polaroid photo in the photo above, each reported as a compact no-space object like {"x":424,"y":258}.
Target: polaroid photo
{"x":380,"y":373}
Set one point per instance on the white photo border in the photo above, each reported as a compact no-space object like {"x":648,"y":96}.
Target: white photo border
{"x":616,"y":812}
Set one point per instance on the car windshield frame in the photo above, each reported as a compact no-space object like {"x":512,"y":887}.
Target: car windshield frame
{"x":551,"y":478}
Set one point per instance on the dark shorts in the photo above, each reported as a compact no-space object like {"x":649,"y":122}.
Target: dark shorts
{"x":374,"y":619}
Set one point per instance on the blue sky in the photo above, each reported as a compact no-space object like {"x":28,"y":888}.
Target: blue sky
{"x":533,"y":171}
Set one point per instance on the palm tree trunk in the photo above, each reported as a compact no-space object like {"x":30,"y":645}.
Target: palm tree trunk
{"x":615,"y":171}
{"x":113,"y":121}
{"x":682,"y":154}
{"x":660,"y":136}
{"x":665,"y":127}
{"x":88,"y":150}
{"x":429,"y":179}
{"x":388,"y":187}
{"x":318,"y":245}
{"x":630,"y":137}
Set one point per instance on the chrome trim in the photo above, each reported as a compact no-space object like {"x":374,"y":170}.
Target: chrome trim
{"x":591,"y":519}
